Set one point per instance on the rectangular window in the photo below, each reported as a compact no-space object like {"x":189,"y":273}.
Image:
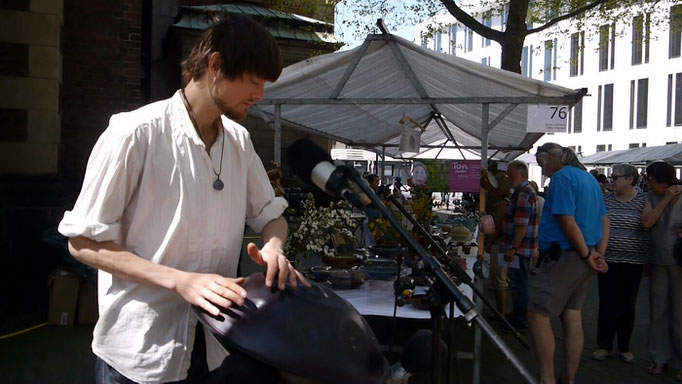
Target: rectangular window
{"x":504,"y":16}
{"x":633,"y":145}
{"x":599,"y":108}
{"x":484,"y":61}
{"x":608,"y":107}
{"x":613,"y":45}
{"x":524,"y":61}
{"x":632,"y":104}
{"x":437,"y":41}
{"x":578,"y":117}
{"x":582,"y":52}
{"x":678,"y":99}
{"x":549,"y":48}
{"x":647,"y":36}
{"x":668,"y":115}
{"x":488,"y":22}
{"x":469,"y":39}
{"x":642,"y":102}
{"x":675,"y":38}
{"x":575,"y":52}
{"x":425,"y":41}
{"x":453,"y":39}
{"x":604,"y":48}
{"x":601,"y":148}
{"x":554,"y":66}
{"x":637,"y":39}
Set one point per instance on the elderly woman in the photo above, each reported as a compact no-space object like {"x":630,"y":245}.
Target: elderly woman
{"x":626,"y":255}
{"x":662,"y":215}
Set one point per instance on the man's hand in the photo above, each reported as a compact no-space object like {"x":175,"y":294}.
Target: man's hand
{"x":509,"y":255}
{"x":210,"y":291}
{"x":597,"y":262}
{"x":277,"y":264}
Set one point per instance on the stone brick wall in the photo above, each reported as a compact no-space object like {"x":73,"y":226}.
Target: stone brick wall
{"x":102,"y":72}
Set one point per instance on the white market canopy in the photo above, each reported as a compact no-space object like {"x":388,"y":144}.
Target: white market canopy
{"x":358,"y":97}
{"x":671,"y":153}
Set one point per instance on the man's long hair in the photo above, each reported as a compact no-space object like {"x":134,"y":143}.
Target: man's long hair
{"x":245,"y":46}
{"x":567,"y":156}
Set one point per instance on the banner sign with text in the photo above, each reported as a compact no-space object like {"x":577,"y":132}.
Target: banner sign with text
{"x":547,"y":118}
{"x":465,"y":175}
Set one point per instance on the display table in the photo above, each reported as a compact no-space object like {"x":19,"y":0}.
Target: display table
{"x":376,"y":297}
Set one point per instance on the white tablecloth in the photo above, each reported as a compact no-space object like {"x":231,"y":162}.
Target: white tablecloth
{"x":376,"y":297}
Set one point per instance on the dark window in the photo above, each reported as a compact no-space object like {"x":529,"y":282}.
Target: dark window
{"x":601,"y":148}
{"x":678,"y":99}
{"x":669,"y":113}
{"x":604,"y":48}
{"x":437,"y":42}
{"x":582,"y":52}
{"x":633,"y":145}
{"x":549,"y":48}
{"x":488,"y":22}
{"x":613,"y":45}
{"x":642,"y":102}
{"x":675,"y":31}
{"x":578,"y":117}
{"x":575,"y":52}
{"x":453,"y":39}
{"x":599,"y":101}
{"x":637,"y":39}
{"x":647,"y":36}
{"x":632,"y":104}
{"x":608,"y":107}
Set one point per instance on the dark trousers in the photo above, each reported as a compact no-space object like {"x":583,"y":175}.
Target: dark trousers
{"x":617,"y":296}
{"x":519,"y":281}
{"x":236,"y":368}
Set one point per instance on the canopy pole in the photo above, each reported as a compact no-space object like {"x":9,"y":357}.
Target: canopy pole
{"x":278,"y":134}
{"x":383,"y":163}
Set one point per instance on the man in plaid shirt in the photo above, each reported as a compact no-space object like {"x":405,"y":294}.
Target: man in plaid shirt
{"x":520,"y":239}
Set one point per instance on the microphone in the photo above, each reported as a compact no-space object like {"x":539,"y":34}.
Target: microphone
{"x":313,"y":165}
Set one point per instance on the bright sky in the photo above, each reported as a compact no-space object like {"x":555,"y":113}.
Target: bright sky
{"x":404,"y":31}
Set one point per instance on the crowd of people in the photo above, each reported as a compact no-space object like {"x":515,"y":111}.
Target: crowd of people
{"x":546,"y":251}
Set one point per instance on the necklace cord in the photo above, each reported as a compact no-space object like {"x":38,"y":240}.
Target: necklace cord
{"x":196,"y":127}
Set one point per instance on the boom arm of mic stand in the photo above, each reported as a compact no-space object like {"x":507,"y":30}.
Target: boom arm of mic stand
{"x":461,"y":274}
{"x":463,"y":303}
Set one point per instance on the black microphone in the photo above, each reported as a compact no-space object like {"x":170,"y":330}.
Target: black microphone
{"x":314,"y":166}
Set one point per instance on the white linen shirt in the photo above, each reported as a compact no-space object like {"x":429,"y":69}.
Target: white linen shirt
{"x":148,"y":187}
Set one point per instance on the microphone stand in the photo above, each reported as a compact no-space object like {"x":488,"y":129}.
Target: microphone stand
{"x":456,"y":269}
{"x":446,"y":289}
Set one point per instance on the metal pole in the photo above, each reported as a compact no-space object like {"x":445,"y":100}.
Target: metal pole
{"x":278,"y":134}
{"x":485,"y":109}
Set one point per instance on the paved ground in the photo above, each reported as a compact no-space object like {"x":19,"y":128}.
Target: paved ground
{"x":61,"y":354}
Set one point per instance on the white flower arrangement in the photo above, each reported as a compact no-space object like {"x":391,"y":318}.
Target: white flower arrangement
{"x":313,"y":230}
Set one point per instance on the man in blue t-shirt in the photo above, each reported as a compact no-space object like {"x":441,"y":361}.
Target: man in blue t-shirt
{"x":572,"y":239}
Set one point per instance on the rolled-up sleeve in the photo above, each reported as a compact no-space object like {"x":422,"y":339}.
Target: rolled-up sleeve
{"x":110,"y":180}
{"x":262,"y":206}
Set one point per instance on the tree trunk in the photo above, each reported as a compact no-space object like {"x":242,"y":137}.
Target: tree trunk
{"x":512,"y":48}
{"x":514,"y":35}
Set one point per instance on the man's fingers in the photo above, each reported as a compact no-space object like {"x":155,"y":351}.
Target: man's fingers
{"x":284,"y":266}
{"x":302,"y":279}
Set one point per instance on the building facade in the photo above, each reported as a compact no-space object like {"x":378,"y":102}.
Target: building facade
{"x":632,"y":69}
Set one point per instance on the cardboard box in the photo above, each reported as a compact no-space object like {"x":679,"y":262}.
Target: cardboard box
{"x":87,"y":303}
{"x":63,"y":297}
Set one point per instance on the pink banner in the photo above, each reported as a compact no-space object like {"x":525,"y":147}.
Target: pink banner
{"x":465,"y":176}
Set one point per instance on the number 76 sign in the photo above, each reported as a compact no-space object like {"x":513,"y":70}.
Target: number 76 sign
{"x":547,"y":118}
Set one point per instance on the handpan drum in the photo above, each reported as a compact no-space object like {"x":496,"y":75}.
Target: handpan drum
{"x":309,"y":332}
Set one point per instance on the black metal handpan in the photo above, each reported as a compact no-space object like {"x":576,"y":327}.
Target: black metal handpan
{"x":309,"y":332}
